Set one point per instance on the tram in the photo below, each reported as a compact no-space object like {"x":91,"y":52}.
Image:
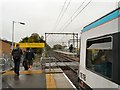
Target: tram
{"x":100,"y":53}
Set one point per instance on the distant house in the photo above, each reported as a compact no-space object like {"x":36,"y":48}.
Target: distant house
{"x":5,"y":48}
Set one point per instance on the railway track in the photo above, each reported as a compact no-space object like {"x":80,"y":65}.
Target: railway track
{"x":70,"y":70}
{"x":64,"y":59}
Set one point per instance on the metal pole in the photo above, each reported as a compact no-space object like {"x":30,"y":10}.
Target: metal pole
{"x":73,"y":43}
{"x":12,"y":34}
{"x":69,"y":43}
{"x":45,"y":45}
{"x":77,"y":43}
{"x":49,"y":63}
{"x":45,"y":52}
{"x":12,"y":40}
{"x":13,"y":27}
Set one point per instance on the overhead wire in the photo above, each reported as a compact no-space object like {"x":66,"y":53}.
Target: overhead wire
{"x":58,"y":18}
{"x":52,"y":39}
{"x":64,"y":11}
{"x":75,"y":11}
{"x":58,"y":39}
{"x":73,"y":18}
{"x":62,"y":14}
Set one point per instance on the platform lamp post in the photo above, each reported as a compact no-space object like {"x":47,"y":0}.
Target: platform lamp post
{"x":13,"y":28}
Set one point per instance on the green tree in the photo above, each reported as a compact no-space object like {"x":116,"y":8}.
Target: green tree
{"x":34,"y":38}
{"x":24,"y":40}
{"x":57,"y":46}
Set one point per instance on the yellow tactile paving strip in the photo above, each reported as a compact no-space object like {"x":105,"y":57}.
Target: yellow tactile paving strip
{"x":24,"y":72}
{"x":50,"y":82}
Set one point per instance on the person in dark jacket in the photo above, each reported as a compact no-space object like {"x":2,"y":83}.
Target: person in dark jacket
{"x":24,"y":61}
{"x":16,"y":53}
{"x":71,"y":48}
{"x":29,"y":57}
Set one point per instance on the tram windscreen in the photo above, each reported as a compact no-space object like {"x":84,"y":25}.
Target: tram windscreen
{"x":99,"y":56}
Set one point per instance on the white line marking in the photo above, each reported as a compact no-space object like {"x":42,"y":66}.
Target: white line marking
{"x":69,"y":81}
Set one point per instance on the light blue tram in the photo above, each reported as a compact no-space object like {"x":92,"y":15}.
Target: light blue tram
{"x":100,"y":53}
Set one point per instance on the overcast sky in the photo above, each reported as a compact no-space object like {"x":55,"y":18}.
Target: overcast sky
{"x":40,"y":16}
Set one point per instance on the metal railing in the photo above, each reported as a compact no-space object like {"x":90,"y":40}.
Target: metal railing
{"x":6,"y":64}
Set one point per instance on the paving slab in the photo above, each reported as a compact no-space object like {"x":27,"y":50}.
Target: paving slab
{"x":25,"y":80}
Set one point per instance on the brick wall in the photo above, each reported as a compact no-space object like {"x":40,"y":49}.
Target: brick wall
{"x":5,"y":48}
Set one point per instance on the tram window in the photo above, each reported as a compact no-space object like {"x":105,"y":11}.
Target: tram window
{"x":99,"y":56}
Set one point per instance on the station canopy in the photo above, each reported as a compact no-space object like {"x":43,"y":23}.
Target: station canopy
{"x":31,"y":45}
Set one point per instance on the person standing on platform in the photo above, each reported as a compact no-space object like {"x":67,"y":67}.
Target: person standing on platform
{"x":24,"y":61}
{"x":71,"y":48}
{"x":16,"y":53}
{"x":29,"y":57}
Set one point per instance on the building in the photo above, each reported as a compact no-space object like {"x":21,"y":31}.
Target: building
{"x":5,"y":48}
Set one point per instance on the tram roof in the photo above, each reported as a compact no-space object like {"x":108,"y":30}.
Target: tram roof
{"x":108,"y":17}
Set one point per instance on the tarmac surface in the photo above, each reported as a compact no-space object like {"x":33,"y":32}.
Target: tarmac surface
{"x":36,"y":79}
{"x":26,"y":80}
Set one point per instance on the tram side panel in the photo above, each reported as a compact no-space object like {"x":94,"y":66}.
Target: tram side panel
{"x":90,"y":77}
{"x":119,"y":48}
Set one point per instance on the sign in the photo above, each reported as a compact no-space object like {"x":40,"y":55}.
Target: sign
{"x":31,"y":45}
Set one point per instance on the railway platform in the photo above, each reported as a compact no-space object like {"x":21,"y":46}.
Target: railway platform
{"x":36,"y":79}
